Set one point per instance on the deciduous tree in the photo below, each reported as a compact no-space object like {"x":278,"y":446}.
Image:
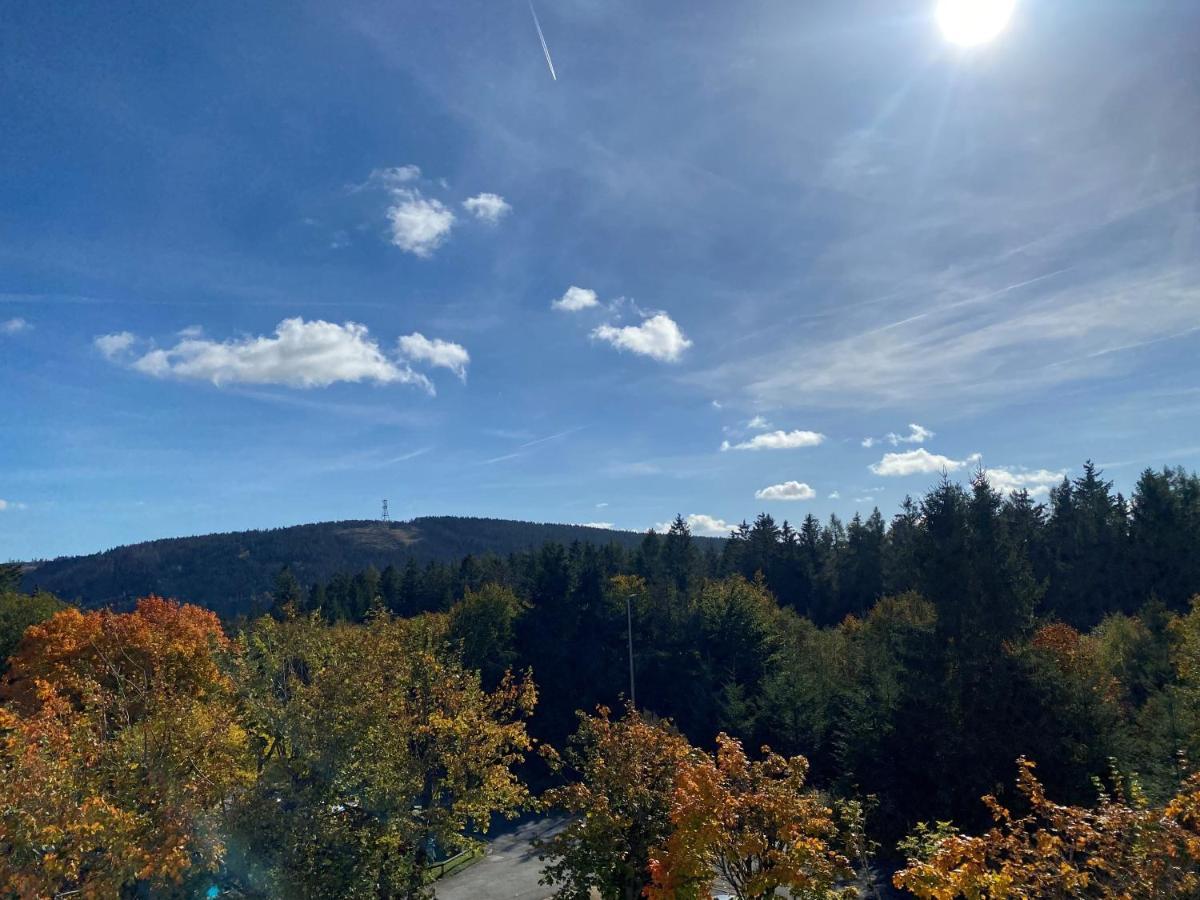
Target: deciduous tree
{"x":753,"y":823}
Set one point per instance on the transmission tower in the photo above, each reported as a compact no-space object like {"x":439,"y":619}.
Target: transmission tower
{"x":385,"y":517}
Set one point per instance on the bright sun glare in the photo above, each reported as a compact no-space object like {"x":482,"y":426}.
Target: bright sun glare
{"x":970,"y":22}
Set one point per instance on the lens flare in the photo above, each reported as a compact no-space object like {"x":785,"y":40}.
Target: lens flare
{"x":971,"y":22}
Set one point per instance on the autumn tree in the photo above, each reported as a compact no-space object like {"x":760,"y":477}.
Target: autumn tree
{"x":754,"y":824}
{"x":619,"y":806}
{"x":121,"y":750}
{"x":1119,"y":849}
{"x":376,"y":748}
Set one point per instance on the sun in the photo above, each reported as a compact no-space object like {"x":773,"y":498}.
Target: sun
{"x":971,"y":22}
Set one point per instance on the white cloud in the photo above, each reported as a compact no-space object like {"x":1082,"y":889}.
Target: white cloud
{"x":486,"y":207}
{"x":919,"y":462}
{"x":778,"y":440}
{"x":419,"y":224}
{"x":861,"y":500}
{"x":917,"y":434}
{"x":300,"y":354}
{"x":835,"y":495}
{"x":789,"y":490}
{"x":11,"y":504}
{"x":115,"y":344}
{"x":15,"y":326}
{"x":1037,"y":481}
{"x":635,"y":468}
{"x":605,"y":525}
{"x":699,"y":524}
{"x":436,"y":352}
{"x":3,"y":505}
{"x":191,"y":331}
{"x":758,"y":423}
{"x":657,"y":337}
{"x":395,"y":176}
{"x":964,"y":345}
{"x":575,"y":299}
{"x":869,"y":442}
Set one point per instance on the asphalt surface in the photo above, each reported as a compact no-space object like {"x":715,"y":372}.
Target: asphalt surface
{"x":509,"y":871}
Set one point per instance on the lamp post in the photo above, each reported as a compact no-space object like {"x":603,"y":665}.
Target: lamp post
{"x":629,"y":626}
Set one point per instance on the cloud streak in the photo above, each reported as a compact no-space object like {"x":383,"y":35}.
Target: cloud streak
{"x":778,"y":440}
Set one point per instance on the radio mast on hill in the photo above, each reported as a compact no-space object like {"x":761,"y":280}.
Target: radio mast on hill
{"x":385,"y":517}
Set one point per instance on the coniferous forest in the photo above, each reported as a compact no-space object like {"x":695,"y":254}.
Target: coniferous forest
{"x":998,"y":696}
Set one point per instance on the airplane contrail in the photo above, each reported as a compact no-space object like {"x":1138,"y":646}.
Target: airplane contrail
{"x":542,"y":38}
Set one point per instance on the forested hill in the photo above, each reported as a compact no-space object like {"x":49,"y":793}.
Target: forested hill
{"x":228,"y":572}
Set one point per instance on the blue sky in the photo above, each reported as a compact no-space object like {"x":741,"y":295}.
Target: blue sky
{"x":269,"y":263}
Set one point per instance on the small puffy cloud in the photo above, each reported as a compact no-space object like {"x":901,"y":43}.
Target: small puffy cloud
{"x":917,"y":434}
{"x":575,"y":299}
{"x":419,"y":224}
{"x":191,"y":331}
{"x":835,"y":495}
{"x":435,"y":352}
{"x":15,"y":326}
{"x":699,"y":524}
{"x":869,"y":442}
{"x":758,"y":423}
{"x":608,"y":526}
{"x":299,"y":354}
{"x":861,"y":500}
{"x":112,"y":346}
{"x":789,"y":490}
{"x":486,"y":207}
{"x":1037,"y":481}
{"x":919,"y":462}
{"x":778,"y":440}
{"x":657,"y":337}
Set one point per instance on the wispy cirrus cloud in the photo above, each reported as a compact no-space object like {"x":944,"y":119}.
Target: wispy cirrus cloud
{"x":15,"y":326}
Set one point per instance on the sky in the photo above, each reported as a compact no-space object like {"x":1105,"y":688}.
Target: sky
{"x":270,"y":263}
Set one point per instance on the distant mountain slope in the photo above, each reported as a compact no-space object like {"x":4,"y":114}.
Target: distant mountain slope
{"x":225,"y":572}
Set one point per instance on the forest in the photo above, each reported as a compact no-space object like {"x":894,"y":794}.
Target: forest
{"x":234,"y":572}
{"x":988,"y":696}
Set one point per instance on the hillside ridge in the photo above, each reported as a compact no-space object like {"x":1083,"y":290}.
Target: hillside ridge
{"x":227,"y":571}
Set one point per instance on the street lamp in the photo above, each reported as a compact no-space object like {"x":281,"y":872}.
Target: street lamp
{"x":629,"y":626}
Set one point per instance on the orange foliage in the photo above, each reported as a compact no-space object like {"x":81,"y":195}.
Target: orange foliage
{"x":1121,"y":849}
{"x":754,"y":823}
{"x":118,"y":750}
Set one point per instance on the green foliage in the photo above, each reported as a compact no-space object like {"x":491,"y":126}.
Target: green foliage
{"x":19,"y":611}
{"x":374,"y":749}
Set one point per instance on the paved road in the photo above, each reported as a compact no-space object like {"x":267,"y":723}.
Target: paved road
{"x":509,"y":871}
